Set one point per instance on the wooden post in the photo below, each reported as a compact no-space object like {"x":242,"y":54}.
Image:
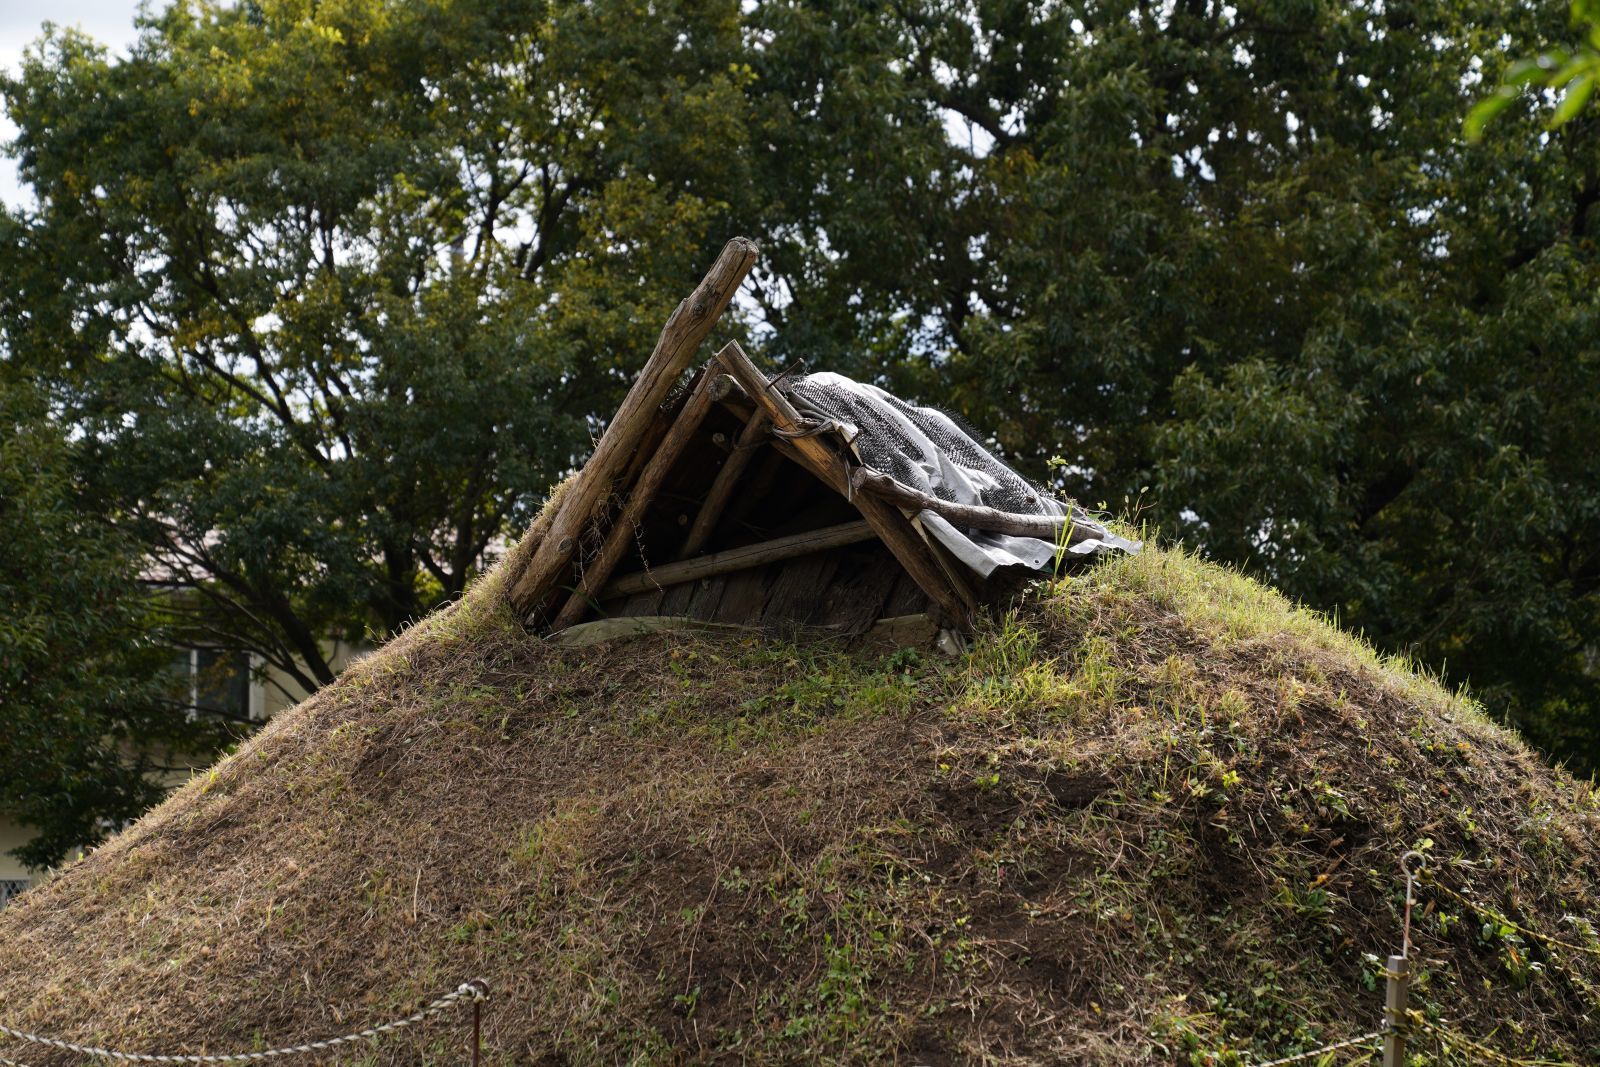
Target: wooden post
{"x":733,"y":468}
{"x":1396,"y":995}
{"x":682,"y":335}
{"x":599,"y":569}
{"x":888,"y":523}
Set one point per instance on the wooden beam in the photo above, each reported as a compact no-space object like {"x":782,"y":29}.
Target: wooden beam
{"x":891,"y":526}
{"x":969,"y":516}
{"x":682,"y":335}
{"x":737,"y":559}
{"x":733,"y":468}
{"x":598,"y":570}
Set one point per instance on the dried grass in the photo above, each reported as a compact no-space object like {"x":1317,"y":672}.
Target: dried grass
{"x":1154,"y":816}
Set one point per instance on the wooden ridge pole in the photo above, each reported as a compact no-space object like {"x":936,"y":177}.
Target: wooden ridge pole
{"x":741,"y":558}
{"x":598,"y":570}
{"x":682,"y":335}
{"x":887,"y":522}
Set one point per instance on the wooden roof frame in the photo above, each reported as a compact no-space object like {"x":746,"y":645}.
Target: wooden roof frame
{"x":636,"y":454}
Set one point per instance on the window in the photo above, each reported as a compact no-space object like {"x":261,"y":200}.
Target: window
{"x":11,"y":887}
{"x":214,"y":680}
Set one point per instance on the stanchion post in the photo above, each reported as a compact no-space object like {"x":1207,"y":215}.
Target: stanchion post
{"x":477,"y":1030}
{"x":1396,"y":994}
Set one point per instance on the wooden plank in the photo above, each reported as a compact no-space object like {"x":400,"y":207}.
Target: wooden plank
{"x":799,"y":592}
{"x":891,"y":526}
{"x":682,"y":335}
{"x":649,"y":441}
{"x":598,"y":570}
{"x":733,"y":468}
{"x":956,"y":571}
{"x":675,"y":601}
{"x":743,"y":594}
{"x":737,"y":559}
{"x":706,"y":597}
{"x":908,"y":598}
{"x":857,"y":598}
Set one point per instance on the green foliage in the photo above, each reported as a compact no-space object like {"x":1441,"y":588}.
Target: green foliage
{"x":85,"y":719}
{"x":334,"y":291}
{"x":1240,"y":255}
{"x":1571,"y":73}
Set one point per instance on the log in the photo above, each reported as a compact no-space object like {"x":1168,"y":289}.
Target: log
{"x":969,"y":516}
{"x":620,"y":536}
{"x":681,"y":336}
{"x":733,"y":468}
{"x":738,"y":559}
{"x":888,"y":523}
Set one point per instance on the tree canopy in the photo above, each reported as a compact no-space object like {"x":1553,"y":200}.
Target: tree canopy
{"x":331,"y":293}
{"x":90,"y":717}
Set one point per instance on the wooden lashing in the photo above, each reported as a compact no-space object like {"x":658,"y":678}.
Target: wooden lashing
{"x":733,"y":468}
{"x":681,"y":336}
{"x":598,"y":570}
{"x":892,"y":527}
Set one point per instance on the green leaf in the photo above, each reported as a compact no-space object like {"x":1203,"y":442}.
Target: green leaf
{"x":1484,"y":111}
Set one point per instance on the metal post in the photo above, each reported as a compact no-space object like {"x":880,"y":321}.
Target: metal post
{"x":1396,"y":993}
{"x":477,"y":1030}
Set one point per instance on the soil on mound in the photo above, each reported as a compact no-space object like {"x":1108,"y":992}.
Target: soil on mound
{"x":1153,"y":816}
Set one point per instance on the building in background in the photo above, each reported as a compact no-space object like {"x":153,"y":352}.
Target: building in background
{"x":214,"y":681}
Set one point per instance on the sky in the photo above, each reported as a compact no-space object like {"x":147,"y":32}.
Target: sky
{"x":108,"y":21}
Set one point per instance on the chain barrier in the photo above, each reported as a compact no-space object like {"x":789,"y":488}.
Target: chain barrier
{"x":1509,"y":923}
{"x":1412,"y":863}
{"x":1301,"y":1057}
{"x":1545,"y":941}
{"x":1481,"y":1053}
{"x":473,"y":992}
{"x":1407,"y":860}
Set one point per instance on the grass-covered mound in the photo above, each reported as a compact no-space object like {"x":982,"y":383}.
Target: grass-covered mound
{"x":1154,"y":816}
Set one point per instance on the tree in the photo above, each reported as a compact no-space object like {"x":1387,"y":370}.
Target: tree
{"x":334,"y":292}
{"x":88,"y":722}
{"x":1238,"y":255}
{"x":1569,"y":76}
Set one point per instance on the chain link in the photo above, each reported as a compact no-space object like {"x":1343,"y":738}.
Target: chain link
{"x":1301,"y":1057}
{"x":1485,"y":910}
{"x":475,"y":990}
{"x":1464,"y":1043}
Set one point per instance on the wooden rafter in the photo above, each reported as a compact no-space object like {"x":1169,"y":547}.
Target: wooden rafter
{"x":891,"y":526}
{"x":741,"y":558}
{"x":584,"y":498}
{"x":733,"y":468}
{"x":597,"y":572}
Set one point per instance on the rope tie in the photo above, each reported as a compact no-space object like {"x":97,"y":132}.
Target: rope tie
{"x":475,"y":990}
{"x":806,"y":428}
